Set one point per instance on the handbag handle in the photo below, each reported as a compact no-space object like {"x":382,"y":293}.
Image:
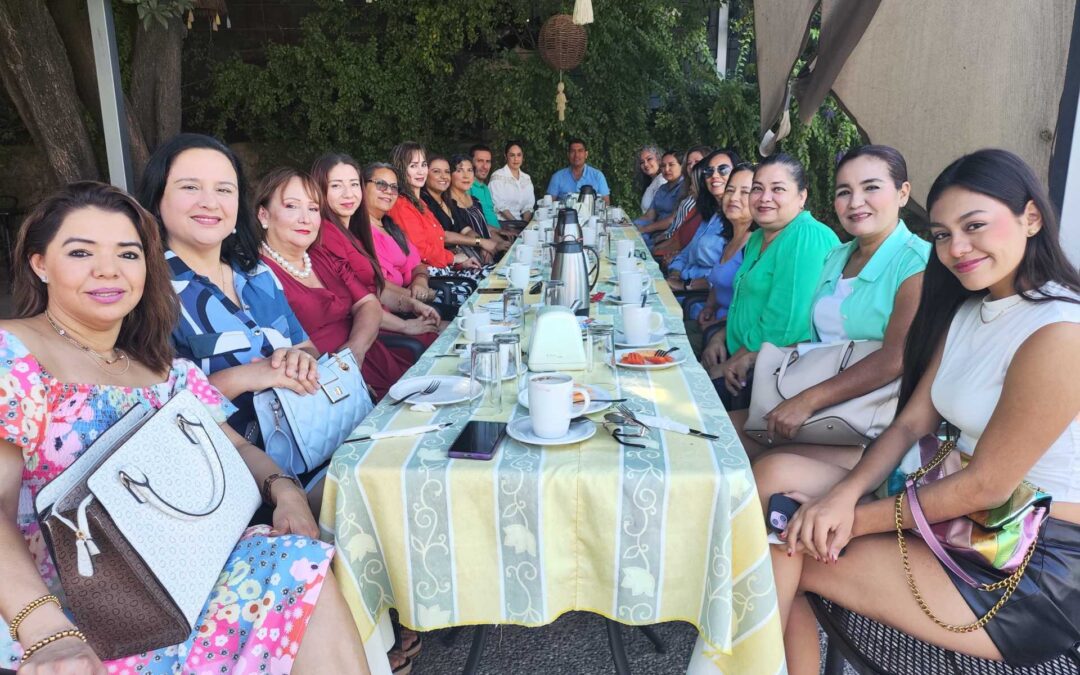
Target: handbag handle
{"x":841,"y":362}
{"x":139,"y":486}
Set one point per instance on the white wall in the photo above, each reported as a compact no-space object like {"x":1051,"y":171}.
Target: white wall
{"x":1070,"y":207}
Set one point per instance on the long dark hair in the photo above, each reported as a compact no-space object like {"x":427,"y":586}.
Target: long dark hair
{"x":145,"y":331}
{"x":238,"y":249}
{"x":358,"y":229}
{"x":400,"y":157}
{"x":1000,"y":175}
{"x":707,"y":206}
{"x":387,"y":222}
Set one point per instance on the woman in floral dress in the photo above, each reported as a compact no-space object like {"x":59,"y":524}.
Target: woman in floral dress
{"x":95,"y":309}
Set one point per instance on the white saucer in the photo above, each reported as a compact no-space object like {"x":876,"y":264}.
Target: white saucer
{"x":534,"y":273}
{"x":615,"y":299}
{"x":452,"y":389}
{"x":521,"y":430}
{"x":654,"y":339}
{"x":495,"y":309}
{"x":594,"y":392}
{"x":679,"y":356}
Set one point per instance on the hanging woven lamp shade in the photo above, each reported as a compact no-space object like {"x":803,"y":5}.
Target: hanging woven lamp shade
{"x":214,"y":11}
{"x":562,"y":42}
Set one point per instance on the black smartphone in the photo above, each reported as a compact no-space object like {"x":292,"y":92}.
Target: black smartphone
{"x":478,"y":440}
{"x":781,"y":510}
{"x":486,"y":291}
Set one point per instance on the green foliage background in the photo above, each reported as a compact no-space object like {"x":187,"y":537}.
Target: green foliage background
{"x":364,"y":76}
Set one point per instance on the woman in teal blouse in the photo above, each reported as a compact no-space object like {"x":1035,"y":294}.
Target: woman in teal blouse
{"x":869,"y":290}
{"x":776,"y":281}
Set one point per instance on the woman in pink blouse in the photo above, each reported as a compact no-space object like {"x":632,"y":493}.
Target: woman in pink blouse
{"x":398,"y":257}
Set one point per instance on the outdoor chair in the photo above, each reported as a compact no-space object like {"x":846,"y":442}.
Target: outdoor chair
{"x":872,"y":648}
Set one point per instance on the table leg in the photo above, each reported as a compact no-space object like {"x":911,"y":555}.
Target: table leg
{"x":618,"y":651}
{"x":477,"y":650}
{"x":657,"y":642}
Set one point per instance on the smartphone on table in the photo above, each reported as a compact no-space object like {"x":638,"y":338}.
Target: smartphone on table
{"x":478,"y":440}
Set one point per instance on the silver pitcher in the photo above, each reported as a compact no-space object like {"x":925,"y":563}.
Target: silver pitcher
{"x":570,"y":265}
{"x":567,"y":224}
{"x":586,"y":206}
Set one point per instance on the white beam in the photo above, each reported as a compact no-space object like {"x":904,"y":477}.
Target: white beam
{"x":722,"y":30}
{"x":111,"y":93}
{"x":1070,"y":203}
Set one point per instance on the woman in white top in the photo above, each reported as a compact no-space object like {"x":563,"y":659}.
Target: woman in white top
{"x":994,"y":349}
{"x":511,"y":188}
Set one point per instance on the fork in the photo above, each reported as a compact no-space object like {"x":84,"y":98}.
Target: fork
{"x":430,"y":389}
{"x":630,"y":413}
{"x":664,"y":352}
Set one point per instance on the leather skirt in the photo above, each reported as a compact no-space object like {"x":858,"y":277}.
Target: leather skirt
{"x":1041,"y":621}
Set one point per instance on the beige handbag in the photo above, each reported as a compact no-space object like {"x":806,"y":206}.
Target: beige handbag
{"x":781,"y":373}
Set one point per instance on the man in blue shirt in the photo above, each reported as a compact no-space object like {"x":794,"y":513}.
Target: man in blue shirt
{"x":578,"y":174}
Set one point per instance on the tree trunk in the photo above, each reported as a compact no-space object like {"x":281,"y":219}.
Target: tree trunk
{"x":155,"y":80}
{"x":37,"y":76}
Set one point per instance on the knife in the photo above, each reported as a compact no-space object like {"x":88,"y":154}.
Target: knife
{"x":407,"y":431}
{"x":672,"y":425}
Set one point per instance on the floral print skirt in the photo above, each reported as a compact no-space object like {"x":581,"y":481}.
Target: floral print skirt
{"x":255,"y":617}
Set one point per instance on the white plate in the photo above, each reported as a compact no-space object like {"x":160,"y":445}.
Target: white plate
{"x":654,"y":339}
{"x":614,"y":299}
{"x":594,"y":392}
{"x":496,"y":307}
{"x":452,"y":389}
{"x":521,"y":430}
{"x":464,"y":367}
{"x":534,"y":273}
{"x":679,"y":356}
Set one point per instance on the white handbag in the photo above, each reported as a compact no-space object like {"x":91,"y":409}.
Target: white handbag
{"x":781,"y":373}
{"x":141,"y":525}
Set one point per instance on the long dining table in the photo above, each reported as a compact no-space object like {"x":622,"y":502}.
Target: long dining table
{"x":669,"y":532}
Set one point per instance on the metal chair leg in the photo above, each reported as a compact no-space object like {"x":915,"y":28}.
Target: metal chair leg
{"x":618,"y":650}
{"x":656,"y":640}
{"x":477,"y":650}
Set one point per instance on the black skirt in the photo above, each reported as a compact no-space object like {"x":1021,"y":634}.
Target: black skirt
{"x":1041,"y":621}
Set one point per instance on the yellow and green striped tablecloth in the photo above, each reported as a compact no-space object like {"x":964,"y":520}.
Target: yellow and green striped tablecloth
{"x":669,"y":532}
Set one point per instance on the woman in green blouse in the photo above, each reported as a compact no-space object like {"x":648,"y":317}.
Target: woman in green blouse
{"x":775,"y":284}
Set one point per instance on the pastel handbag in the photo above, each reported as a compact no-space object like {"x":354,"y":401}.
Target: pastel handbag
{"x":1002,"y":538}
{"x":301,"y":432}
{"x":141,"y":525}
{"x":782,"y":373}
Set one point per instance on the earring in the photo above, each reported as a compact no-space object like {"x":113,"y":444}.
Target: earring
{"x":266,"y":225}
{"x":44,"y":279}
{"x":234,"y":230}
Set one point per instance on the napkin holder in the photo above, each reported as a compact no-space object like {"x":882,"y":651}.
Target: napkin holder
{"x":556,"y":342}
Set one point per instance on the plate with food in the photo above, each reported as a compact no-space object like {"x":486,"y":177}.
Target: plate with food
{"x":649,"y":359}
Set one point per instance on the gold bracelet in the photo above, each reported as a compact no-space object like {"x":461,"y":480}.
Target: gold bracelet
{"x":44,"y":642}
{"x":13,"y":627}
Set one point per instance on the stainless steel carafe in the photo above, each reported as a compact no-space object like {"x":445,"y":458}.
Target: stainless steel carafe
{"x":567,"y":224}
{"x":586,"y":205}
{"x":570,"y":265}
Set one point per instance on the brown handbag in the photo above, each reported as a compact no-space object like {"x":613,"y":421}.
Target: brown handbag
{"x":137,"y":544}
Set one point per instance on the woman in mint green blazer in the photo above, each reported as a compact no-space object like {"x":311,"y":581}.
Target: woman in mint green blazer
{"x":775,"y":283}
{"x":868,"y":290}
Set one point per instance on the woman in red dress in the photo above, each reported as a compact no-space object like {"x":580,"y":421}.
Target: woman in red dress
{"x":332,"y":298}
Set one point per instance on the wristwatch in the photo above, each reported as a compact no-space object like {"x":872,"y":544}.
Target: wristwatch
{"x":268,"y":483}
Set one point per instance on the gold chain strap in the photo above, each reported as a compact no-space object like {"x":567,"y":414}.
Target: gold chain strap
{"x":1009,"y":583}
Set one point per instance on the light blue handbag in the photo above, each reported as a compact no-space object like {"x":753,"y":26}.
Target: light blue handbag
{"x":301,"y":432}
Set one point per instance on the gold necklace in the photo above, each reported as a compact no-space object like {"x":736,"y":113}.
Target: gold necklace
{"x":98,"y":359}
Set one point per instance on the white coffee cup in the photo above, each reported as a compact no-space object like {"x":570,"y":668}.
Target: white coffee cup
{"x":624,"y":265}
{"x":639,"y":323}
{"x":530,"y":237}
{"x":519,"y":275}
{"x":631,"y":285}
{"x":523,"y":253}
{"x":617,"y":214}
{"x":551,"y":403}
{"x":546,"y":201}
{"x":473,"y":320}
{"x":624,"y":248}
{"x":588,"y":235}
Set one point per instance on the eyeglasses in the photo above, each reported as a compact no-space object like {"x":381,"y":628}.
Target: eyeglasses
{"x":722,"y":169}
{"x":383,"y":186}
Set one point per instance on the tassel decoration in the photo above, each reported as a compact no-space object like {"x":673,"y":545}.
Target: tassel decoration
{"x":228,"y":23}
{"x":190,"y":18}
{"x":583,"y":13}
{"x":560,"y":100}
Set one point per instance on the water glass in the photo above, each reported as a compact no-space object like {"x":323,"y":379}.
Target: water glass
{"x":600,"y":352}
{"x":484,"y":371}
{"x":510,"y":353}
{"x":513,"y":307}
{"x":554,"y":293}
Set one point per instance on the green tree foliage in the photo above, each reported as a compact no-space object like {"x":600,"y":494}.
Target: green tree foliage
{"x":365,"y":76}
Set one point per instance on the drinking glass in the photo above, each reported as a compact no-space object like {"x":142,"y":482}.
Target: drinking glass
{"x":600,"y":352}
{"x":514,"y":307}
{"x":484,"y":371}
{"x":553,"y":294}
{"x":510,"y":343}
